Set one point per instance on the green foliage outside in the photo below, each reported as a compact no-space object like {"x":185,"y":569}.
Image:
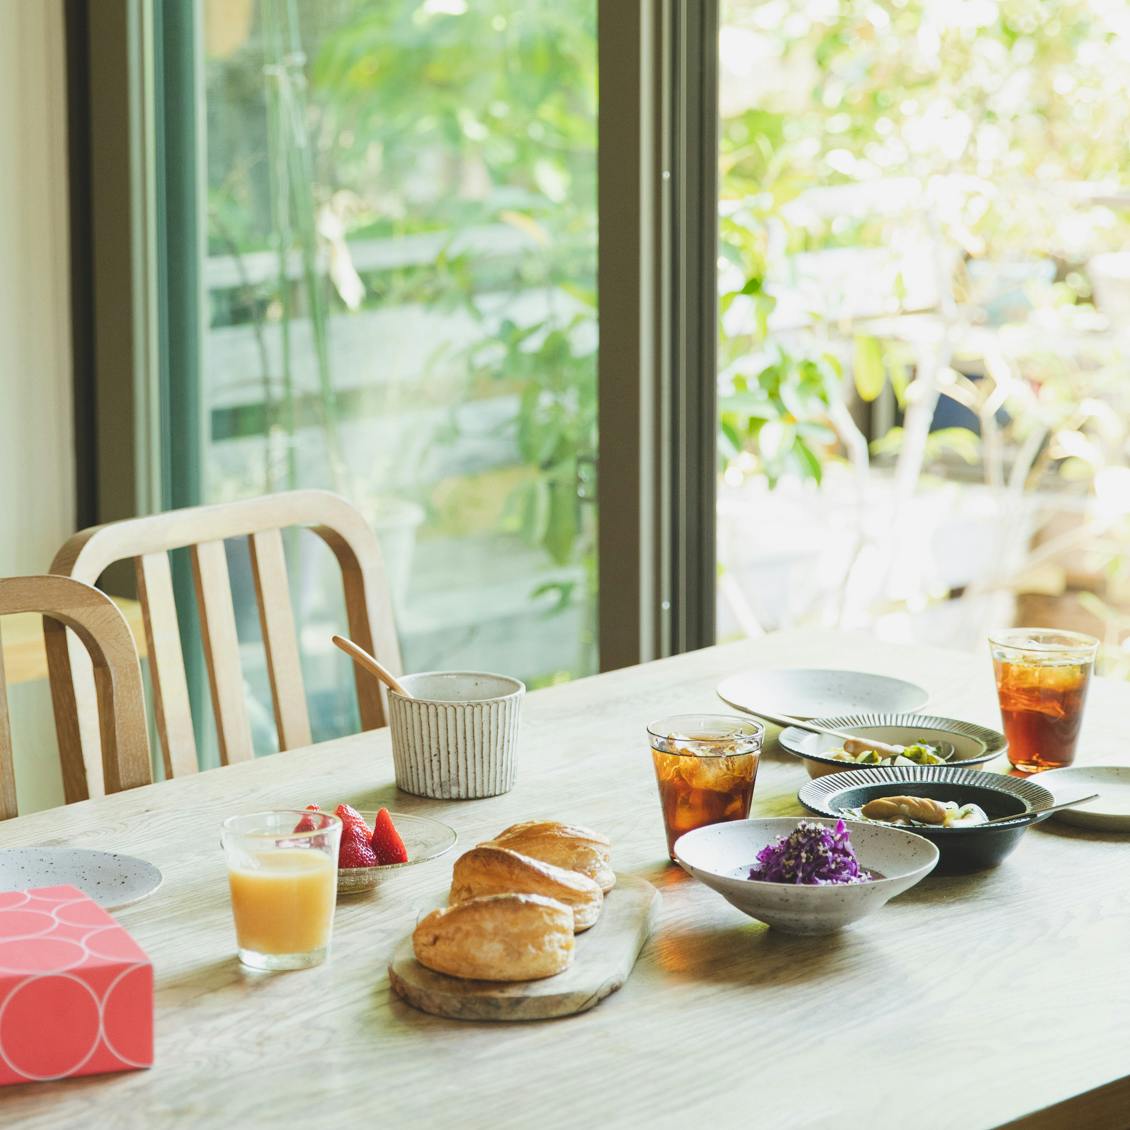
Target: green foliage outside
{"x":1008,"y":116}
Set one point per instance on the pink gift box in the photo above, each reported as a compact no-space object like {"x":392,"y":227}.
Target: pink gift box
{"x":76,"y":991}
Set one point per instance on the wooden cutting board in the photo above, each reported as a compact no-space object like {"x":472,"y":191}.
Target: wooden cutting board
{"x":602,"y":960}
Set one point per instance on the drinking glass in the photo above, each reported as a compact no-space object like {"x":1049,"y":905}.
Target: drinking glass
{"x":1042,"y":678}
{"x":705,"y":767}
{"x":282,"y":871}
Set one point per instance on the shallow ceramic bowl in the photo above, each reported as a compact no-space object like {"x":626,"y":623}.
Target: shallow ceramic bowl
{"x":720,"y":856}
{"x":424,"y":839}
{"x":1109,"y":813}
{"x":972,"y":744}
{"x":806,"y":692}
{"x":962,"y":849}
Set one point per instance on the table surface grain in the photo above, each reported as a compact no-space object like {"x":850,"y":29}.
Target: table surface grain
{"x":974,"y":1001}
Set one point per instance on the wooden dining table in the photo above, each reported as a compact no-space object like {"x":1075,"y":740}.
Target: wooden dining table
{"x":986,"y":1000}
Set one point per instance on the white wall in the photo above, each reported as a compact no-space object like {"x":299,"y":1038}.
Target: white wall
{"x":36,"y":434}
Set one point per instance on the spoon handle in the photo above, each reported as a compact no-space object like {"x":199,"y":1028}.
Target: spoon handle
{"x":812,"y":728}
{"x":1040,"y":811}
{"x":369,"y":663}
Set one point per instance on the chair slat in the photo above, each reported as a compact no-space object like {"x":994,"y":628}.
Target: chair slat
{"x":7,"y":772}
{"x":280,"y":640}
{"x":221,"y":650}
{"x":166,"y":664}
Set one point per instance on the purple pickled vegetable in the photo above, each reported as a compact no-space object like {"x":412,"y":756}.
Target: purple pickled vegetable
{"x":812,"y":854}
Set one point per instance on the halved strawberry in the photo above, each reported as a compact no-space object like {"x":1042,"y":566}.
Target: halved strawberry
{"x":349,"y":815}
{"x":355,"y":850}
{"x":386,"y":843}
{"x":306,"y":824}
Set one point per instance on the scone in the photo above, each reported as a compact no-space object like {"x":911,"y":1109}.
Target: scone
{"x":564,"y":845}
{"x":490,"y":870}
{"x":497,"y":938}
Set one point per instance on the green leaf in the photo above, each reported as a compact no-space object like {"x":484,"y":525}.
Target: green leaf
{"x":900,"y":381}
{"x":867,"y":367}
{"x":963,"y":443}
{"x":808,"y":461}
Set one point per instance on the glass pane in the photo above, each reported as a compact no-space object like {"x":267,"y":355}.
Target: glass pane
{"x":925,"y":391}
{"x":401,"y":306}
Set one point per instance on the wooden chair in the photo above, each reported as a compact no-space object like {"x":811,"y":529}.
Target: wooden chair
{"x":117,"y":701}
{"x":203,"y":529}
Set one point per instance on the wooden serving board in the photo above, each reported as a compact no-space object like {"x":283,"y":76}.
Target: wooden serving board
{"x":602,"y":961}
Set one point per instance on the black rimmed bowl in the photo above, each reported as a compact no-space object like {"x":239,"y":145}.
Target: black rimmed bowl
{"x":962,"y":849}
{"x":972,"y":744}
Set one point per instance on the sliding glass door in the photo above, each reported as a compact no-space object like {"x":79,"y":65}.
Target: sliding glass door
{"x":389,"y":290}
{"x":355,"y":245}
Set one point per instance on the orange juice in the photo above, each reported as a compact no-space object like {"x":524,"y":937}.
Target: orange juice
{"x":285,"y":903}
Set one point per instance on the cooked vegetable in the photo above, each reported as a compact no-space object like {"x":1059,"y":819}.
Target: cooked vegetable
{"x":811,"y":854}
{"x":918,"y":754}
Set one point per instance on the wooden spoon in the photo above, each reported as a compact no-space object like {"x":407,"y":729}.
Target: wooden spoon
{"x":1036,"y":811}
{"x":853,"y":743}
{"x":369,"y":663}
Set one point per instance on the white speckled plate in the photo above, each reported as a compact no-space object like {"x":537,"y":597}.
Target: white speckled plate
{"x":1109,"y":812}
{"x":807,"y":692}
{"x":110,"y":880}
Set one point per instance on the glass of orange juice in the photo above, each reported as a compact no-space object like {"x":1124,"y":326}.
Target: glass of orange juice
{"x":282,"y":871}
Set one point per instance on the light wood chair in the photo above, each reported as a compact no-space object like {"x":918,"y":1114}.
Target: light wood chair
{"x":117,"y":704}
{"x":203,"y":529}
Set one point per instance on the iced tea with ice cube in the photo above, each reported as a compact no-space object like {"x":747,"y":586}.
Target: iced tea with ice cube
{"x":1042,"y":679}
{"x":705,"y":767}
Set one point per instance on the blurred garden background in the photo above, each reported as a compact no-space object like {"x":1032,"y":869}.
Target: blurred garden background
{"x":925,"y":294}
{"x":400,"y":274}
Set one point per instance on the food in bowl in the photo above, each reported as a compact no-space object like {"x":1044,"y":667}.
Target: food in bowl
{"x":964,"y":847}
{"x":719,"y":856}
{"x":920,"y":812}
{"x":921,"y":753}
{"x":811,"y":854}
{"x":362,"y":846}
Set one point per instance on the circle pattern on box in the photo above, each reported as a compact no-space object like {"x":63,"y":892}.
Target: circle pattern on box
{"x":48,"y":1051}
{"x":24,"y":923}
{"x":40,"y":955}
{"x":67,"y":1004}
{"x":124,"y":1016}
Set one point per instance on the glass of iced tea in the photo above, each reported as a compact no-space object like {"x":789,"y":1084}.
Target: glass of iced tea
{"x":705,"y":766}
{"x":1042,"y":677}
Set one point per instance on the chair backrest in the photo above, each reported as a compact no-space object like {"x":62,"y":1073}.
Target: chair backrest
{"x":203,"y":529}
{"x":117,"y":701}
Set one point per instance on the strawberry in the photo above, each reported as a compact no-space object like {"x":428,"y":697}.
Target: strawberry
{"x":306,"y":824}
{"x":347,"y":814}
{"x":386,"y":843}
{"x":355,"y":850}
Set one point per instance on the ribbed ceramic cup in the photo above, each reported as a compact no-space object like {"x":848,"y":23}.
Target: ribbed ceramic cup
{"x":457,"y":737}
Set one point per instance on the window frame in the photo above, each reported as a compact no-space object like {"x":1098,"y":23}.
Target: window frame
{"x":657,"y":176}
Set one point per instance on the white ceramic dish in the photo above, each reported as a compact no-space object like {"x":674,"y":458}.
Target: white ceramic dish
{"x":720,"y":856}
{"x":424,"y":839}
{"x":806,"y":692}
{"x":111,"y":880}
{"x":1109,"y":812}
{"x":457,"y":737}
